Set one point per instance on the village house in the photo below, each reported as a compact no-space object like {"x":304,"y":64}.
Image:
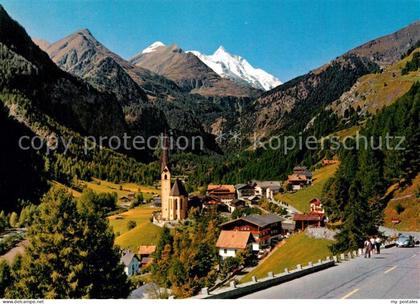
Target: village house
{"x":156,"y":202}
{"x":303,"y":171}
{"x":266,"y":229}
{"x":316,"y":206}
{"x":297,"y":182}
{"x":230,"y":243}
{"x":244,"y":191}
{"x":235,"y":204}
{"x":130,"y":196}
{"x":224,"y":193}
{"x":308,"y":220}
{"x":145,"y":254}
{"x":211,"y":203}
{"x":267,"y":189}
{"x":253,"y":200}
{"x":131,"y":263}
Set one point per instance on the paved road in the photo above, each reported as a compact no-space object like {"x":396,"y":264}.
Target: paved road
{"x":393,"y":274}
{"x":393,"y":232}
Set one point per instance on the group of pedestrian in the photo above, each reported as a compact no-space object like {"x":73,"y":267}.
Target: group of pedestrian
{"x":371,"y":244}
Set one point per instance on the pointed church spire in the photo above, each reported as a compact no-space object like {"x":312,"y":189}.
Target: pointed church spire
{"x":164,"y":159}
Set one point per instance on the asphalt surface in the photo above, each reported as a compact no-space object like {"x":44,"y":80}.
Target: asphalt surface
{"x":394,"y":274}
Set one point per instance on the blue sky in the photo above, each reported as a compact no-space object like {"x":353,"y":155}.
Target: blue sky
{"x":285,"y":38}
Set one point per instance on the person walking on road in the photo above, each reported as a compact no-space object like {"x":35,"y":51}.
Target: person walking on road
{"x":378,"y":242}
{"x":368,"y":248}
{"x":372,"y":242}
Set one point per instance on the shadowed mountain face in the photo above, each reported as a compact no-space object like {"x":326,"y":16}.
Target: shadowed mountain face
{"x":189,"y":72}
{"x":73,"y":103}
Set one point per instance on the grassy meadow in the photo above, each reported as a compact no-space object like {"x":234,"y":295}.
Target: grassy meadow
{"x":298,"y":249}
{"x":145,"y":232}
{"x":121,"y":189}
{"x":300,"y":199}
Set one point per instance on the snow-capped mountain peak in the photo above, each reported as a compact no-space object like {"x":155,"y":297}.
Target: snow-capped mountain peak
{"x":152,"y":47}
{"x":220,"y":51}
{"x":238,"y":69}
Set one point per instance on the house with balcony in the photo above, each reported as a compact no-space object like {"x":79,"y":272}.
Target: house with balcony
{"x":266,"y":229}
{"x":316,"y":206}
{"x":223,"y":193}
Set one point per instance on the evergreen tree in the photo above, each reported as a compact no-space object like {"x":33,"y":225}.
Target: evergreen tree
{"x":358,"y":224}
{"x":71,"y":253}
{"x":3,"y":221}
{"x":5,"y":277}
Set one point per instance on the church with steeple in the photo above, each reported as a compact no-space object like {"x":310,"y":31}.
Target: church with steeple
{"x":174,"y":198}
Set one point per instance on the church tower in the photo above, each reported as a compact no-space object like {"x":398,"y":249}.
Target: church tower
{"x":165,"y":179}
{"x":174,"y":198}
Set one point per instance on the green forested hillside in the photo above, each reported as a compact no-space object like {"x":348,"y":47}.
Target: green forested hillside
{"x":354,"y":194}
{"x":22,"y":174}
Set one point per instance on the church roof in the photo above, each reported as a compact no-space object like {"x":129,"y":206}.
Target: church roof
{"x":164,"y":158}
{"x":178,"y":189}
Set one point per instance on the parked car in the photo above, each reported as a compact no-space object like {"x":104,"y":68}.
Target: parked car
{"x":405,"y":241}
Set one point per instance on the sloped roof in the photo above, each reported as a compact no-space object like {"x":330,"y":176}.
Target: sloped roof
{"x":263,"y":220}
{"x":302,"y":170}
{"x":307,"y":217}
{"x":127,"y":258}
{"x":178,"y":189}
{"x":315,"y":201}
{"x":229,"y":188}
{"x":147,"y":249}
{"x":297,"y":178}
{"x":233,"y":239}
{"x":258,"y":220}
{"x":268,"y":184}
{"x":244,"y":186}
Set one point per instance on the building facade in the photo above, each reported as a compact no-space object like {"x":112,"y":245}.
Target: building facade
{"x":174,"y":198}
{"x":224,"y":193}
{"x":265,"y":229}
{"x":230,"y":243}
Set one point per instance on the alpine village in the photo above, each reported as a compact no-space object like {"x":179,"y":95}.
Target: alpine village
{"x":181,"y":223}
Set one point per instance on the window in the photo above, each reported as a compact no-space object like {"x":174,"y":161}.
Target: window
{"x":166,"y":176}
{"x":225,"y":251}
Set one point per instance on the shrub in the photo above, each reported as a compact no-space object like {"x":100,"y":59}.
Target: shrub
{"x":131,"y":225}
{"x":399,"y":208}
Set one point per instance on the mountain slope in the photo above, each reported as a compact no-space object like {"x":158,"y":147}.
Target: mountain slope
{"x":39,"y":99}
{"x":82,"y":55}
{"x":372,"y":92}
{"x":22,"y":174}
{"x":389,"y":48}
{"x":238,"y":69}
{"x":27,"y":69}
{"x":295,"y":103}
{"x":167,"y":106}
{"x":189,"y":72}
